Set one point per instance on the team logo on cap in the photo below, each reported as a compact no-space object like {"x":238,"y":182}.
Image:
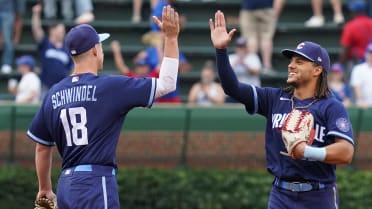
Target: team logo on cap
{"x":73,"y":51}
{"x":319,"y":59}
{"x":300,"y":45}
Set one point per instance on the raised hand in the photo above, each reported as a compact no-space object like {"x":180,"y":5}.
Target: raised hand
{"x":37,"y":9}
{"x":115,"y":46}
{"x":169,"y":23}
{"x":219,"y":36}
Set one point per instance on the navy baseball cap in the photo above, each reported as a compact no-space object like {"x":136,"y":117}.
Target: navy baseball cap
{"x":311,"y":51}
{"x":26,"y":60}
{"x":83,"y":37}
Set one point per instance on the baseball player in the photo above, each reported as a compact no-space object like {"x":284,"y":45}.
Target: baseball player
{"x":306,"y":178}
{"x":84,"y":113}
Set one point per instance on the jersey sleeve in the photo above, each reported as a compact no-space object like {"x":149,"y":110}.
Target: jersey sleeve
{"x":263,"y":99}
{"x":338,"y":122}
{"x":38,"y":131}
{"x":136,"y":92}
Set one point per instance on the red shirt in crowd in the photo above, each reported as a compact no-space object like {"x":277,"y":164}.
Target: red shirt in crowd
{"x":356,"y":35}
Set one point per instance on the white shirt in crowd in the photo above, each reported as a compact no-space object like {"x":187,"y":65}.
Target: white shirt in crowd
{"x":202,"y":98}
{"x":361,"y":76}
{"x":251,"y":61}
{"x":28,"y":85}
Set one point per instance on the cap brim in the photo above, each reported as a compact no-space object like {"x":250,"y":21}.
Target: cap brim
{"x":290,"y":52}
{"x":103,"y":36}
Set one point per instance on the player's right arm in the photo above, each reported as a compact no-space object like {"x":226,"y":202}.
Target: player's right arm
{"x":37,"y":30}
{"x":43,"y":163}
{"x":221,"y":38}
{"x":169,"y":24}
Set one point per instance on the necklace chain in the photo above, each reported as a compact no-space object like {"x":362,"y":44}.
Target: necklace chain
{"x":304,"y":106}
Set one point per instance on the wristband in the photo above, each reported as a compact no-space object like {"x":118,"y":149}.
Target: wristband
{"x":315,"y":153}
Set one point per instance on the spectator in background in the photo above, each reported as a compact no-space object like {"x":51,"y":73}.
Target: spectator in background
{"x":257,"y":23}
{"x":50,"y":9}
{"x":338,"y":86}
{"x":7,"y":14}
{"x":154,"y":52}
{"x":84,"y":10}
{"x":278,"y":7}
{"x":29,"y":88}
{"x":317,"y":20}
{"x":207,"y":92}
{"x":361,"y":80}
{"x":369,"y":8}
{"x":20,"y":9}
{"x":142,"y":69}
{"x":137,"y":9}
{"x":246,"y":65}
{"x":53,"y":54}
{"x":356,"y":34}
{"x":157,"y":12}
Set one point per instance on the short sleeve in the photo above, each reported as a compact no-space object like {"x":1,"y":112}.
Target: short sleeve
{"x":338,"y":122}
{"x":263,"y":98}
{"x":38,"y":131}
{"x":137,"y":92}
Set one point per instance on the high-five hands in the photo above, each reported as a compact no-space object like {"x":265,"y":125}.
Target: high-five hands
{"x":169,"y":23}
{"x":219,"y":35}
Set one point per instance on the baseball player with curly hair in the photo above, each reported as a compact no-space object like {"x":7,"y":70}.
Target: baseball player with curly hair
{"x":308,"y":132}
{"x":84,"y":113}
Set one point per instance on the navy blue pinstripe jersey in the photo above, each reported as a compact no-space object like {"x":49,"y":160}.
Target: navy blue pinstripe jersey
{"x":83,"y":115}
{"x":331,"y":121}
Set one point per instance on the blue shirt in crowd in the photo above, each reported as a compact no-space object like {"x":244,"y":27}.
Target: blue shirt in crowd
{"x":256,"y":4}
{"x":56,"y":63}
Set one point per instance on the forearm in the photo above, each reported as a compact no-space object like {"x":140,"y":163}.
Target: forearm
{"x":120,"y":63}
{"x":339,"y":153}
{"x":171,"y":47}
{"x":43,"y":162}
{"x":37,"y":29}
{"x":167,"y":81}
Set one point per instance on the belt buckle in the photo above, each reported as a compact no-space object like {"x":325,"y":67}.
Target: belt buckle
{"x":292,"y":186}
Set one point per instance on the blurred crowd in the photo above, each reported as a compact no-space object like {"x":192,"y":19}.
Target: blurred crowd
{"x":350,"y":77}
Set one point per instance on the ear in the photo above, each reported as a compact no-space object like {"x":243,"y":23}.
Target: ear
{"x":318,"y":70}
{"x":94,"y":50}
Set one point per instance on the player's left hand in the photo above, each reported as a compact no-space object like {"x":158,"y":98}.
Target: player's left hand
{"x":169,"y":23}
{"x":220,"y":37}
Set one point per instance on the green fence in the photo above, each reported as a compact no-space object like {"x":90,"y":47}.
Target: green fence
{"x":184,"y":120}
